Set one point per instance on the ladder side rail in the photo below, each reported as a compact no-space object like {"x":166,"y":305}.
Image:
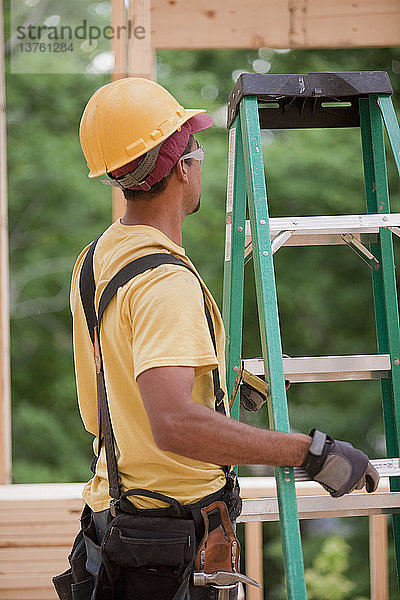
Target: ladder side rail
{"x":271,"y":341}
{"x":392,"y":127}
{"x":384,"y":283}
{"x":232,"y":308}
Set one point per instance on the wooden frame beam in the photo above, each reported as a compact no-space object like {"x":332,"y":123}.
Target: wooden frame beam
{"x":134,"y":56}
{"x":118,"y":44}
{"x":119,"y":47}
{"x":141,"y":49}
{"x":275,"y":24}
{"x":5,"y":407}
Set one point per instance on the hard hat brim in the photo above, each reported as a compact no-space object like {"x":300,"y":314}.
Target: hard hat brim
{"x":199,"y":121}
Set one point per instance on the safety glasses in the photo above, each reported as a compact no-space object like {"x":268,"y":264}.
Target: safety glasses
{"x":197,"y":154}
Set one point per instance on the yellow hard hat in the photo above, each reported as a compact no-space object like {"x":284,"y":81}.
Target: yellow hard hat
{"x":125,"y":119}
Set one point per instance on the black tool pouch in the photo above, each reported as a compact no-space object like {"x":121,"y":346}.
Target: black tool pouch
{"x":141,"y":554}
{"x":144,"y":556}
{"x":77,"y":583}
{"x":231,"y":496}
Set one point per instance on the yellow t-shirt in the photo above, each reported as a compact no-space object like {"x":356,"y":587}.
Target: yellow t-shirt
{"x":156,"y":319}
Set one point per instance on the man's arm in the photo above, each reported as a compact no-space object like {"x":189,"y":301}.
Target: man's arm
{"x":181,"y":426}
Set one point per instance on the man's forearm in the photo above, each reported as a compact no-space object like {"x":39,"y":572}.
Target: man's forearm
{"x":203,"y":434}
{"x":181,"y":426}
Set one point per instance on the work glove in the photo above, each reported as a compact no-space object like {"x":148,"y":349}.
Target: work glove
{"x":252,"y":399}
{"x":339,"y":467}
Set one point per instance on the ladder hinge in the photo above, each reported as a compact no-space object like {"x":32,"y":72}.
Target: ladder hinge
{"x":361,"y":251}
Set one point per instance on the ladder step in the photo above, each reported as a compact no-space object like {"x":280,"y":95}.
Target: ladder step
{"x":324,"y":506}
{"x":328,"y":368}
{"x":327,"y":230}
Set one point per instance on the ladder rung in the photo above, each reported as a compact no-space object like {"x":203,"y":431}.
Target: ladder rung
{"x":316,"y":507}
{"x":327,"y":230}
{"x":328,"y":368}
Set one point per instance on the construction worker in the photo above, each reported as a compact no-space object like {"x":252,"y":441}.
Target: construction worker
{"x":158,"y":355}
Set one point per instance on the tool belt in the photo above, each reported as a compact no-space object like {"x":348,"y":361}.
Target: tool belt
{"x":144,"y":551}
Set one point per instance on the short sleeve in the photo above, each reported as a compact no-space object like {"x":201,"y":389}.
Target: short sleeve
{"x":169,"y":326}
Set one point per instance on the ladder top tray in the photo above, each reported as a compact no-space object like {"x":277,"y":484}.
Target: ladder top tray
{"x":300,"y":100}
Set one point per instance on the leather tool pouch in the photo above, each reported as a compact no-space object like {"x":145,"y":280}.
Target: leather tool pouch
{"x":217,"y":558}
{"x":219,"y":549}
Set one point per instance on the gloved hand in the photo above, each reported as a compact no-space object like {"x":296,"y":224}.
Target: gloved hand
{"x":252,"y":399}
{"x":339,"y":467}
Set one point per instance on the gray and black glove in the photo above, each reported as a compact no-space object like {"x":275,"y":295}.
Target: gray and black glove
{"x":339,"y":467}
{"x":251,"y":398}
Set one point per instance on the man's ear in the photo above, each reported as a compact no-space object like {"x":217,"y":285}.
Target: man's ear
{"x":181,"y":169}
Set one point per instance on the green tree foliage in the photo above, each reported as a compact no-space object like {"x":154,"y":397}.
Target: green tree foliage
{"x":53,"y":214}
{"x":328,"y":577}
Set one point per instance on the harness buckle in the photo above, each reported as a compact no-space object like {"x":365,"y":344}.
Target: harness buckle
{"x":219,"y":396}
{"x":114,"y":504}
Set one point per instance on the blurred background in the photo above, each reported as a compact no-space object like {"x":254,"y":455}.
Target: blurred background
{"x":325,"y":296}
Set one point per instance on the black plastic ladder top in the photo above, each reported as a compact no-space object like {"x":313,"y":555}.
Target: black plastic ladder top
{"x":308,"y":100}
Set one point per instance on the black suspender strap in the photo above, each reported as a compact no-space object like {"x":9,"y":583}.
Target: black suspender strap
{"x":218,"y":391}
{"x":87,"y":291}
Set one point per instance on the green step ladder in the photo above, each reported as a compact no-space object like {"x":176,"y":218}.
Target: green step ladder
{"x":360,"y":99}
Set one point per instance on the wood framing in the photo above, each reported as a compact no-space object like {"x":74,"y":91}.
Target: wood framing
{"x":134,"y":56}
{"x":119,"y":44}
{"x":275,"y":24}
{"x":119,"y":47}
{"x":378,"y":557}
{"x":140,"y":41}
{"x":5,"y":410}
{"x":38,"y":523}
{"x":254,"y":559}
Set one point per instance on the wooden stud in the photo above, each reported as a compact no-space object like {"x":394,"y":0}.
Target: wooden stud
{"x":379,"y":578}
{"x":119,"y":46}
{"x":254,"y":559}
{"x":135,"y":46}
{"x":5,"y":409}
{"x":119,"y":41}
{"x":140,"y":43}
